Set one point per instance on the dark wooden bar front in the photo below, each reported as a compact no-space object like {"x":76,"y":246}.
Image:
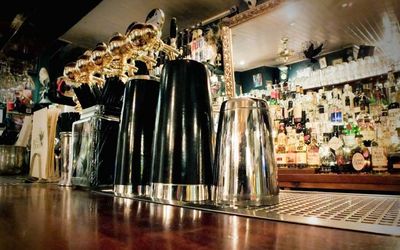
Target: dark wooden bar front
{"x":44,"y":216}
{"x":308,"y":179}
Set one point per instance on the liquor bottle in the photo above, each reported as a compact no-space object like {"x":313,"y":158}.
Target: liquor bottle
{"x":291,"y":147}
{"x":336,"y":108}
{"x":280,"y":149}
{"x":376,"y":101}
{"x":297,"y":108}
{"x":326,"y":155}
{"x":394,"y":163}
{"x":350,"y":144}
{"x":357,"y":101}
{"x":336,"y":144}
{"x":347,"y":99}
{"x":367,"y":128}
{"x":307,"y":132}
{"x":313,"y":152}
{"x":394,"y":120}
{"x":187,"y":46}
{"x":173,"y":32}
{"x":379,"y":158}
{"x":301,"y":151}
{"x":361,"y":158}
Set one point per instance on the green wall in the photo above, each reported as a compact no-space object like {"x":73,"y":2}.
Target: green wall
{"x":245,"y":78}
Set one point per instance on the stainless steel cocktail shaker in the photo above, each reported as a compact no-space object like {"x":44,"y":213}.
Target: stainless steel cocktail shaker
{"x":183,"y":150}
{"x":245,"y":168}
{"x":135,"y":138}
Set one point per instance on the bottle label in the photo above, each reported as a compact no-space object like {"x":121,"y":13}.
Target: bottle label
{"x":297,"y":111}
{"x":335,"y":143}
{"x":349,"y":140}
{"x":394,"y":118}
{"x":291,"y":158}
{"x":313,"y":158}
{"x":358,"y":161}
{"x":378,"y":157}
{"x":396,"y":166}
{"x":336,"y":117}
{"x":280,"y":159}
{"x":301,"y":158}
{"x":368,"y":135}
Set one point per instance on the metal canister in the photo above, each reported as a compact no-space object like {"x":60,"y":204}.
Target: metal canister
{"x":65,"y":159}
{"x":183,"y":149}
{"x":245,"y":167}
{"x":135,"y":138}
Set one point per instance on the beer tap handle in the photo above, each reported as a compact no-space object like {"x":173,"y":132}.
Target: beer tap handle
{"x":173,"y":30}
{"x":71,"y":74}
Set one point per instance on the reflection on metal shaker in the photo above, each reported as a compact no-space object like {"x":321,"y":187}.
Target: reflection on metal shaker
{"x":245,"y":169}
{"x":65,"y":149}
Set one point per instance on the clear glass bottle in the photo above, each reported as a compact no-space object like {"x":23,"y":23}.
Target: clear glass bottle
{"x":313,"y":160}
{"x":301,"y":151}
{"x":350,"y":143}
{"x":291,"y":147}
{"x":379,"y":158}
{"x":348,"y":100}
{"x":281,"y":147}
{"x":367,"y":127}
{"x":326,"y":155}
{"x":336,"y":144}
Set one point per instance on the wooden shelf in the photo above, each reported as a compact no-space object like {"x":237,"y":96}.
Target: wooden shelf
{"x":308,"y":179}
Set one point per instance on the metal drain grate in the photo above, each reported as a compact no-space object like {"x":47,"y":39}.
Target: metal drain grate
{"x":357,"y":209}
{"x":359,"y":212}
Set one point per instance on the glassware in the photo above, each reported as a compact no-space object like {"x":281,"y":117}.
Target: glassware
{"x":326,"y":155}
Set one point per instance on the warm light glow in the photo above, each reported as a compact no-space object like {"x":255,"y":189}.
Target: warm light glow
{"x":242,"y":63}
{"x":347,"y":5}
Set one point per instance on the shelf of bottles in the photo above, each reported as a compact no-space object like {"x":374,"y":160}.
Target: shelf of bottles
{"x":350,"y":128}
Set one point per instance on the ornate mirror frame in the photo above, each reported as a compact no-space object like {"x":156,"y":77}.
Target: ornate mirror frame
{"x":226,"y":36}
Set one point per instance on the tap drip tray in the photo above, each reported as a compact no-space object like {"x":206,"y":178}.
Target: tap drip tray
{"x":359,"y":212}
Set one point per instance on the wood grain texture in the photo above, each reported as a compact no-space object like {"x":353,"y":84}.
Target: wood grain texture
{"x":288,"y":178}
{"x":50,"y":217}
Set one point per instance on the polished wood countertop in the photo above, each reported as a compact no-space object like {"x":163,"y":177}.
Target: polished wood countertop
{"x":309,"y":179}
{"x":45,"y":216}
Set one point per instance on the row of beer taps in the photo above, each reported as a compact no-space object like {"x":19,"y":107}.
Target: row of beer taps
{"x":141,"y":42}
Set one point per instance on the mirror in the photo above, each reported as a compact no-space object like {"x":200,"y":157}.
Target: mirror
{"x":309,"y":43}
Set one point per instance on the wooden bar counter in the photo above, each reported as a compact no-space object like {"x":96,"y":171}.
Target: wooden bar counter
{"x":309,"y":179}
{"x":45,"y":216}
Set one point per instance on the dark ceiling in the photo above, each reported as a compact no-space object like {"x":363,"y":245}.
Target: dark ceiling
{"x":31,"y":28}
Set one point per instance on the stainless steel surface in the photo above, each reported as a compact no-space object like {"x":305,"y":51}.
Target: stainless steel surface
{"x":66,"y":138}
{"x":129,"y":191}
{"x":180,"y":192}
{"x":370,"y":213}
{"x":244,"y":161}
{"x":11,"y":159}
